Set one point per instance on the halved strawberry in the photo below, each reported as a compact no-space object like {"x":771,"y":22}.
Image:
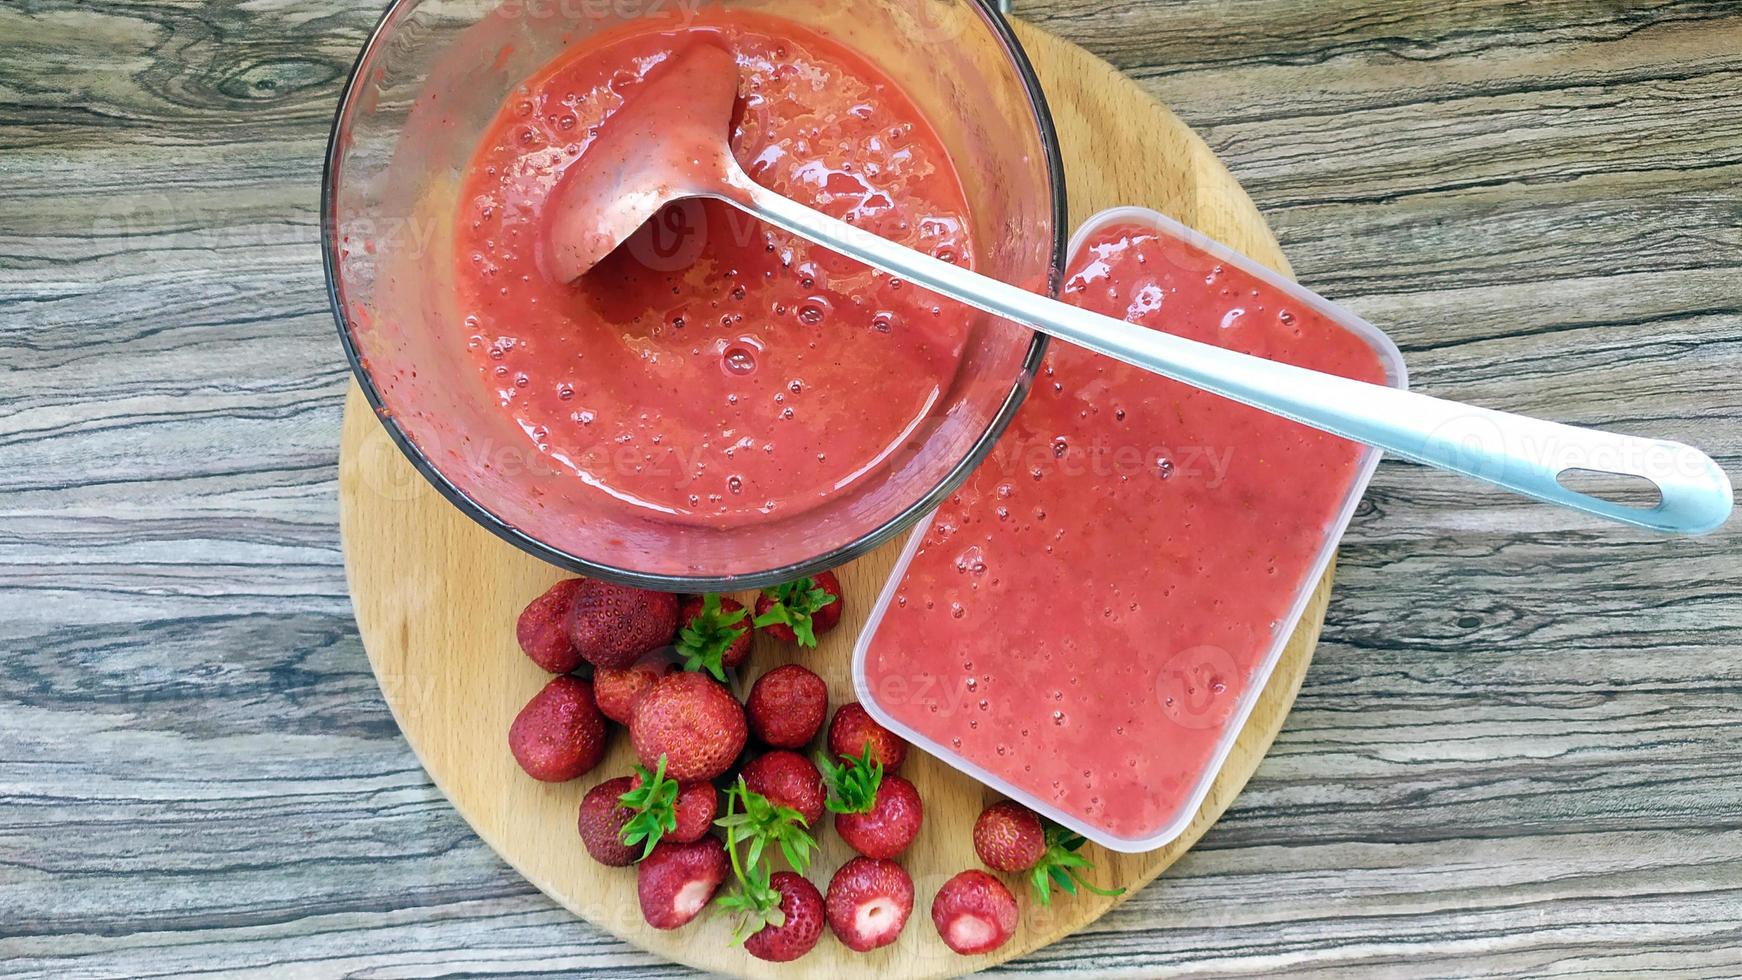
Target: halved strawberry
{"x":677,"y":881}
{"x":974,"y":913}
{"x":876,"y":815}
{"x":714,"y":635}
{"x":868,"y":903}
{"x":802,"y":610}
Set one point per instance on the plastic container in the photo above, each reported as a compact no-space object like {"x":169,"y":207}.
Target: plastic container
{"x":1391,"y":362}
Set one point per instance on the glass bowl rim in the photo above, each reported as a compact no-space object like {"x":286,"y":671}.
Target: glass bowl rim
{"x":996,"y":21}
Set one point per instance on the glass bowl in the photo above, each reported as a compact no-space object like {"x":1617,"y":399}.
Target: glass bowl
{"x":426,"y":86}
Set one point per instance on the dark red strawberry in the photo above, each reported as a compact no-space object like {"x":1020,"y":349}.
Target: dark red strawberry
{"x":601,"y":823}
{"x":543,"y":628}
{"x":800,"y":611}
{"x":691,"y":720}
{"x":618,"y":688}
{"x":800,"y":922}
{"x":714,"y":635}
{"x":854,"y":728}
{"x":611,"y":625}
{"x":974,"y":913}
{"x":560,"y":734}
{"x":790,"y":780}
{"x":677,"y":881}
{"x":787,"y":706}
{"x":877,"y":815}
{"x":1010,"y":837}
{"x":868,"y":903}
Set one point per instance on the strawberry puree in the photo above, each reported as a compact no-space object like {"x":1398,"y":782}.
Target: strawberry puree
{"x":713,"y":369}
{"x":1084,"y":615}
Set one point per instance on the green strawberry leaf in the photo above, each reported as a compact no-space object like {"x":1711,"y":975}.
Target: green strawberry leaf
{"x":853,"y":781}
{"x":1058,"y":867}
{"x":655,"y":806}
{"x":753,"y":899}
{"x":752,"y":818}
{"x":794,"y":604}
{"x":754,"y":821}
{"x":703,"y":642}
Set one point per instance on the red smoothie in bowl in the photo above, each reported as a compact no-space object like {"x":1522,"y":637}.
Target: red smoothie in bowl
{"x":713,"y":369}
{"x":717,"y":405}
{"x":1084,"y":621}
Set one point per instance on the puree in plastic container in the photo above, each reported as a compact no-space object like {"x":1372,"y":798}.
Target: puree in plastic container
{"x":1086,"y":623}
{"x":714,"y":370}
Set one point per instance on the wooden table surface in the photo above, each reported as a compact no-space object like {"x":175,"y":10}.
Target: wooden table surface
{"x":1519,"y":751}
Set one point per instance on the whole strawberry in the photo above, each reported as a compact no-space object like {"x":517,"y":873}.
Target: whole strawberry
{"x":543,"y":628}
{"x":601,"y":823}
{"x":1010,"y":837}
{"x":868,"y":903}
{"x":691,"y":720}
{"x":974,"y":913}
{"x":800,"y":611}
{"x":877,"y":815}
{"x":854,"y":728}
{"x":790,"y":780}
{"x":787,"y":706}
{"x":611,"y":625}
{"x":799,"y":924}
{"x":618,"y":688}
{"x":560,"y":734}
{"x":677,"y":881}
{"x":714,"y":635}
{"x":697,"y":805}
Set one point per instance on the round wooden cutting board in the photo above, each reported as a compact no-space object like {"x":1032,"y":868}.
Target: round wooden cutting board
{"x":437,"y":597}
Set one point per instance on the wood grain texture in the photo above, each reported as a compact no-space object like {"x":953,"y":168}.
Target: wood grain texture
{"x":437,"y":596}
{"x":1517,"y":752}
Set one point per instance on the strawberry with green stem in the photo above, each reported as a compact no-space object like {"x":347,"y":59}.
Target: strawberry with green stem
{"x":665,"y":809}
{"x":779,"y":913}
{"x":801,"y":610}
{"x":715,"y":637}
{"x":1010,"y":837}
{"x":877,"y":815}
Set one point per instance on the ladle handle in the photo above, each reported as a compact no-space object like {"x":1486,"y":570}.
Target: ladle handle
{"x":1523,"y":454}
